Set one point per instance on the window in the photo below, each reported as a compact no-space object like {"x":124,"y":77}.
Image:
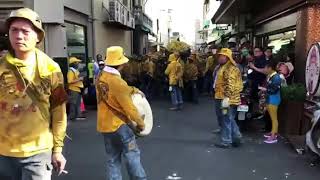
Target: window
{"x":77,"y":43}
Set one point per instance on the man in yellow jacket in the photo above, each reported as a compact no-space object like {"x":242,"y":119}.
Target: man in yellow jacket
{"x":148,"y":69}
{"x":32,"y":104}
{"x":190,"y":77}
{"x":175,"y":73}
{"x":228,"y":85}
{"x":115,"y":111}
{"x":210,"y":66}
{"x":75,"y":84}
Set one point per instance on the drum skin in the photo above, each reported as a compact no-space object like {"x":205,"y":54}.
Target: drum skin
{"x":144,"y":109}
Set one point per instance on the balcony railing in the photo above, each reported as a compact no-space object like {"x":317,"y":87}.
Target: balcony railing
{"x":142,"y":19}
{"x":11,"y":4}
{"x":119,"y":14}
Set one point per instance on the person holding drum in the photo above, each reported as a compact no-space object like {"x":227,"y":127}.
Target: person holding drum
{"x":117,"y":115}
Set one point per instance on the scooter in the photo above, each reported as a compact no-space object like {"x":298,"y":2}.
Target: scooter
{"x":313,"y":136}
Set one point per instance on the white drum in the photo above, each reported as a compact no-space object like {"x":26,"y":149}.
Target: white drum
{"x":145,"y":111}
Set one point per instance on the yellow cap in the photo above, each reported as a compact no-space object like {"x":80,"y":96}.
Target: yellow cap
{"x":30,"y":15}
{"x":227,"y":52}
{"x":74,"y":60}
{"x":115,"y":56}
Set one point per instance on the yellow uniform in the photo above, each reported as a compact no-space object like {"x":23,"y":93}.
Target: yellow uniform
{"x":190,"y":72}
{"x":175,"y":72}
{"x":210,"y":65}
{"x":73,"y":75}
{"x":114,"y":91}
{"x":149,"y":68}
{"x":229,"y":83}
{"x":33,"y":112}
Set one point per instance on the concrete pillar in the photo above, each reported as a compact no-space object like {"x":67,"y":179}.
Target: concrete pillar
{"x":308,"y":33}
{"x":55,"y":41}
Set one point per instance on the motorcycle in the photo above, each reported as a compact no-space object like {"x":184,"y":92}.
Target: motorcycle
{"x":313,"y":136}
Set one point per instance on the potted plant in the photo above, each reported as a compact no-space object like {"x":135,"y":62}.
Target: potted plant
{"x":291,"y":109}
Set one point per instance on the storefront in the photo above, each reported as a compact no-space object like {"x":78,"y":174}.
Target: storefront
{"x":289,"y":26}
{"x":77,"y":44}
{"x":3,"y":37}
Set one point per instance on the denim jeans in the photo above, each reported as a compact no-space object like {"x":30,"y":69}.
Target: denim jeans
{"x":208,"y":82}
{"x":146,"y":85}
{"x":217,"y":106}
{"x":176,"y":96}
{"x":122,"y":144}
{"x":36,"y":167}
{"x":230,"y":130}
{"x":192,"y":91}
{"x":75,"y":102}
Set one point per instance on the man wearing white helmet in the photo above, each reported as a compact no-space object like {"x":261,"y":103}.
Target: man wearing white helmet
{"x":32,"y":104}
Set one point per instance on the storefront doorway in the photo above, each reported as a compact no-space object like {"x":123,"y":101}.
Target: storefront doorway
{"x":77,"y":44}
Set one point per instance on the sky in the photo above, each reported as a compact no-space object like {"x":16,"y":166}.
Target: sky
{"x":184,"y":14}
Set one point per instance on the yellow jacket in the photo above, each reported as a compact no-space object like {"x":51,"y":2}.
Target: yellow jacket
{"x":149,"y":68}
{"x":175,"y":73}
{"x":73,"y":74}
{"x":229,"y":83}
{"x":31,"y":121}
{"x":190,"y":72}
{"x":111,"y":88}
{"x":210,"y":65}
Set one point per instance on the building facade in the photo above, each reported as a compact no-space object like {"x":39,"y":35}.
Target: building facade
{"x":143,"y":28}
{"x":84,"y":28}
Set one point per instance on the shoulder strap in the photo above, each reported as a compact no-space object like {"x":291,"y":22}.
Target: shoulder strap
{"x":117,"y":113}
{"x":30,"y":91}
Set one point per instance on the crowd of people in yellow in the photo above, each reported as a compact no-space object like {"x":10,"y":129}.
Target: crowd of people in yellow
{"x":33,"y":100}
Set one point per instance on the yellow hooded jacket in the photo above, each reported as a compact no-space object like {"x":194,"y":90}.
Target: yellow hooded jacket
{"x":114,"y":91}
{"x":229,"y":82}
{"x":190,"y":72}
{"x":211,"y":64}
{"x":32,"y":106}
{"x":174,"y":71}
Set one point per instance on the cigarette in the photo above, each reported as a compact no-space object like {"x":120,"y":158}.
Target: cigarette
{"x":64,"y":172}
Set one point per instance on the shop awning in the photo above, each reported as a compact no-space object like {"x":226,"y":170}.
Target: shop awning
{"x":145,"y":29}
{"x":259,"y":10}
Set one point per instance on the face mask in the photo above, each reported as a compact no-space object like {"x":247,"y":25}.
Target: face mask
{"x":75,"y":66}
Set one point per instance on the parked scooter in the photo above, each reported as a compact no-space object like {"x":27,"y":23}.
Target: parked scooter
{"x":313,"y":136}
{"x":244,"y":111}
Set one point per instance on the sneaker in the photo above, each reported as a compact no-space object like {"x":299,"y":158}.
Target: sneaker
{"x":271,"y":140}
{"x":81,"y":118}
{"x":174,"y":109}
{"x":216,"y":131}
{"x":222,"y":145}
{"x":268,"y":135}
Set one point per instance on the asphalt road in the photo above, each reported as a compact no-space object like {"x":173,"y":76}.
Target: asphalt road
{"x":181,"y":147}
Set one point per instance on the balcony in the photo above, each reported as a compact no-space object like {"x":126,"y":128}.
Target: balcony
{"x":119,"y":15}
{"x":11,"y":4}
{"x":143,"y":21}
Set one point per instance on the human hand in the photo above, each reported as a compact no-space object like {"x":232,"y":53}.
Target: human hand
{"x":251,"y":65}
{"x":225,"y":103}
{"x":262,"y":88}
{"x":59,"y":163}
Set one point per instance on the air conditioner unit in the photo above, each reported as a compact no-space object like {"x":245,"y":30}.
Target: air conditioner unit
{"x":114,"y":10}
